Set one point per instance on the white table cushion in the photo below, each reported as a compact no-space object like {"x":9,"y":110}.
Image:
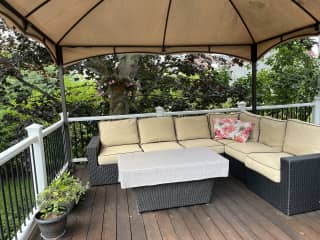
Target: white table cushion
{"x":161,"y":167}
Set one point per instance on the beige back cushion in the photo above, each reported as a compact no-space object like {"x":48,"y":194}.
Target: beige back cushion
{"x":192,"y":127}
{"x":119,"y":132}
{"x":212,"y":116}
{"x":159,"y":129}
{"x":272,"y":132}
{"x":301,"y":138}
{"x":255,"y":119}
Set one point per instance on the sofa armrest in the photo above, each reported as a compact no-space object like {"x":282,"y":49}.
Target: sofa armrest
{"x":305,"y":166}
{"x":303,"y":162}
{"x":93,"y":150}
{"x":300,"y":177}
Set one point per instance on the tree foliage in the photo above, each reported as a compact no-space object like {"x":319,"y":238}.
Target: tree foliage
{"x":291,"y":75}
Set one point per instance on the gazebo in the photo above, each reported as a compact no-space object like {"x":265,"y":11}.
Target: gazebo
{"x":78,"y":29}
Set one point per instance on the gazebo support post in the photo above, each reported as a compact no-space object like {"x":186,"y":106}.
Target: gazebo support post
{"x":66,"y":135}
{"x":254,"y":60}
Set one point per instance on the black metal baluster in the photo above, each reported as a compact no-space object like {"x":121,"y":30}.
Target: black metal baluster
{"x":1,"y":229}
{"x":50,"y":158}
{"x":81,"y":138}
{"x":15,"y":194}
{"x":46,"y":150}
{"x":34,"y":181}
{"x":53,"y":144}
{"x":20,"y":188}
{"x":10,"y":202}
{"x":309,"y":114}
{"x":28,"y":178}
{"x":24,"y":184}
{"x":52,"y":148}
{"x":57,"y":153}
{"x":4,"y":200}
{"x":75,"y":143}
{"x":61,"y":155}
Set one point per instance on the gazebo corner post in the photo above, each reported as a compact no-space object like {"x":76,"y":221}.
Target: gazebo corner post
{"x":254,"y":59}
{"x":66,"y":135}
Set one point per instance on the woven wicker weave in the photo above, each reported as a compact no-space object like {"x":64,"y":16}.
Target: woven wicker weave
{"x":100,"y":174}
{"x":173,"y":195}
{"x":299,"y":189}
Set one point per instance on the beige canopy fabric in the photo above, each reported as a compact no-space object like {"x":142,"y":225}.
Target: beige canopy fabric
{"x":85,"y":28}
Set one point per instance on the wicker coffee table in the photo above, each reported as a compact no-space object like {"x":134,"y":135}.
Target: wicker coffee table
{"x":172,"y":178}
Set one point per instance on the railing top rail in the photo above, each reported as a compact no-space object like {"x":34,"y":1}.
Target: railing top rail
{"x":295,"y":105}
{"x":52,"y":128}
{"x":16,"y":149}
{"x":181,"y":113}
{"x":142,"y":115}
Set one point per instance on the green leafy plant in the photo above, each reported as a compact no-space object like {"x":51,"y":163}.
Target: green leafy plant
{"x":71,"y":186}
{"x":51,"y":202}
{"x":62,"y":193}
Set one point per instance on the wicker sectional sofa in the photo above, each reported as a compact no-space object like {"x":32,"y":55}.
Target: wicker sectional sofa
{"x":280,"y":162}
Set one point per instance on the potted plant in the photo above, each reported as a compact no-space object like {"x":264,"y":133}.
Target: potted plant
{"x":52,"y":216}
{"x":55,"y":202}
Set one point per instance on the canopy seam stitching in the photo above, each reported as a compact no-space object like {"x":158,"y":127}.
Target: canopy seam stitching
{"x":306,"y":11}
{"x":37,"y":8}
{"x":79,"y":20}
{"x":242,"y":20}
{"x":165,"y":26}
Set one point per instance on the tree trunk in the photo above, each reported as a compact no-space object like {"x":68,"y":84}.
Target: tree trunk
{"x":128,"y":66}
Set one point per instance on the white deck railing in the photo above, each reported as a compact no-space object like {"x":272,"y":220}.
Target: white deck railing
{"x":81,"y":125}
{"x":30,"y":154}
{"x":161,"y":112}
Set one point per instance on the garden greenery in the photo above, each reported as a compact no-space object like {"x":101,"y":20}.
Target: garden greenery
{"x":60,"y":195}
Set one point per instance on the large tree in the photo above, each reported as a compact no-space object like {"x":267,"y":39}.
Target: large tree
{"x":290,"y":76}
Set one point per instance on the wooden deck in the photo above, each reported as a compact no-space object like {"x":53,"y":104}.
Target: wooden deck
{"x":110,"y":213}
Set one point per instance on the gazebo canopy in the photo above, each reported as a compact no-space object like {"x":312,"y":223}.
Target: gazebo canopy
{"x":77,"y":29}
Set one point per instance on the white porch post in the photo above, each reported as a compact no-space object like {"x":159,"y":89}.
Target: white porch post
{"x":159,"y":111}
{"x":316,"y":110}
{"x":38,"y":157}
{"x":242,"y":106}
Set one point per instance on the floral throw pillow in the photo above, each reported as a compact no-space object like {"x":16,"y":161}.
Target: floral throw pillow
{"x":227,"y":128}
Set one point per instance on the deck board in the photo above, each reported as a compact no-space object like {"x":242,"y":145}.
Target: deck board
{"x":110,"y":213}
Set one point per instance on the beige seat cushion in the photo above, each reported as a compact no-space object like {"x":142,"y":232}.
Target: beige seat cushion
{"x":209,"y":143}
{"x":159,"y":129}
{"x":151,"y":147}
{"x":240,"y":150}
{"x":226,"y":141}
{"x":255,"y":119}
{"x":272,"y":132}
{"x":301,"y":138}
{"x":118,"y":132}
{"x":194,"y":127}
{"x":213,"y":116}
{"x":267,"y":164}
{"x":109,"y":155}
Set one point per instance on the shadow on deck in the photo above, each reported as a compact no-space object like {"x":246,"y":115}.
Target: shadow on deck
{"x":110,"y":213}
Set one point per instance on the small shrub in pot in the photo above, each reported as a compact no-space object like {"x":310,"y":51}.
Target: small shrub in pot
{"x":55,"y":202}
